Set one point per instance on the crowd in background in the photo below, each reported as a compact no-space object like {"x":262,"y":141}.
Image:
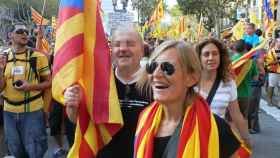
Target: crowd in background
{"x":235,"y":104}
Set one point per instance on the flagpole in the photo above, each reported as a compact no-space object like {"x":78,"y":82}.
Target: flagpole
{"x":199,"y":28}
{"x":42,"y":13}
{"x":40,"y":33}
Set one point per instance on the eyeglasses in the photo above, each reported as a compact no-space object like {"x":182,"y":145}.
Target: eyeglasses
{"x":21,"y":31}
{"x":166,"y":67}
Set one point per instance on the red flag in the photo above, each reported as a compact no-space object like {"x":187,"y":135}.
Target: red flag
{"x":82,"y":56}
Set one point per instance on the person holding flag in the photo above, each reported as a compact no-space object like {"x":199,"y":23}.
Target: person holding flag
{"x":127,"y":50}
{"x":248,"y":73}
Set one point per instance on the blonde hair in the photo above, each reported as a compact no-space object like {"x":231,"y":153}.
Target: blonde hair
{"x":188,"y":60}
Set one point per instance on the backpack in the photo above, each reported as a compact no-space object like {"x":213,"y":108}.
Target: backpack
{"x":33,"y":65}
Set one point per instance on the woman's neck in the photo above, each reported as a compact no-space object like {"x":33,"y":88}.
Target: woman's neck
{"x":208,"y":75}
{"x":173,"y":112}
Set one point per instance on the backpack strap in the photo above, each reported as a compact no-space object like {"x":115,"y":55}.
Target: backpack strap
{"x":33,"y":64}
{"x":31,"y":60}
{"x":28,"y":100}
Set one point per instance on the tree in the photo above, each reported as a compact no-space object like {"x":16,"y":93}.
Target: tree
{"x":22,"y":10}
{"x":144,"y":8}
{"x":212,"y":11}
{"x":19,"y":11}
{"x":175,"y":11}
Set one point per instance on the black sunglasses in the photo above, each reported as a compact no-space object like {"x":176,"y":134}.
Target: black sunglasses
{"x":21,"y":31}
{"x":166,"y":67}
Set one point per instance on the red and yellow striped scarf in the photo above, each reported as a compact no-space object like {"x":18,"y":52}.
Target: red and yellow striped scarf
{"x":198,"y":137}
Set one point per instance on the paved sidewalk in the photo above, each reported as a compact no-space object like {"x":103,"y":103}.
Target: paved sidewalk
{"x":267,"y":143}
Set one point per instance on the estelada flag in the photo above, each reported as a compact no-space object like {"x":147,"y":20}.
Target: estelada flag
{"x":241,"y":67}
{"x":82,"y":57}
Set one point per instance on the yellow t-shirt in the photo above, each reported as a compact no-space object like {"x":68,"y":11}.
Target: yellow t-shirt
{"x":21,"y":70}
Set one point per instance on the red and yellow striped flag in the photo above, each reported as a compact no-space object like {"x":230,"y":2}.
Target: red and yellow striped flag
{"x":243,"y":151}
{"x":43,"y":45}
{"x":157,"y":14}
{"x":82,"y":56}
{"x":182,"y":26}
{"x":241,"y":67}
{"x":37,"y":17}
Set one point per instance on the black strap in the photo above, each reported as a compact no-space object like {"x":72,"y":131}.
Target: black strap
{"x":22,"y":60}
{"x":32,"y":62}
{"x":172,"y":145}
{"x":213,"y":90}
{"x":33,"y":65}
{"x":28,"y":100}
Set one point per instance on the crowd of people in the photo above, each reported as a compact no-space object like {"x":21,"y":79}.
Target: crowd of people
{"x":177,"y":98}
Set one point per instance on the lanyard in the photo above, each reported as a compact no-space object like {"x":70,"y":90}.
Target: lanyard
{"x":14,"y":64}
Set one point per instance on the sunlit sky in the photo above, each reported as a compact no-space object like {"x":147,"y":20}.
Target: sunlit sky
{"x":107,"y":4}
{"x":171,"y":3}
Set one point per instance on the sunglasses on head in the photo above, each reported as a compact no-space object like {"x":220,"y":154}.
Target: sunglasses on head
{"x":165,"y":67}
{"x":21,"y":31}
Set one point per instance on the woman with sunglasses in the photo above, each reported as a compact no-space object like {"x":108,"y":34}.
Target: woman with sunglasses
{"x":217,"y":86}
{"x":179,"y":123}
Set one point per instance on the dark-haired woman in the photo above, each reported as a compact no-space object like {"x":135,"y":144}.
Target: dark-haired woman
{"x":217,"y":86}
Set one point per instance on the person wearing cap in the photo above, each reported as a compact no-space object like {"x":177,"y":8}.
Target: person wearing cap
{"x":24,"y":74}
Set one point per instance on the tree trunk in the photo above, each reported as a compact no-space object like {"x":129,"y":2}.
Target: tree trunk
{"x":217,"y":26}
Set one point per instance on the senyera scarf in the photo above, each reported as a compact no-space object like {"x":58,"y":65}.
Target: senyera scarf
{"x":198,"y":135}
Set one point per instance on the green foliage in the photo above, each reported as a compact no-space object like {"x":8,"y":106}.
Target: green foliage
{"x":211,"y":10}
{"x":145,"y":8}
{"x":21,"y":8}
{"x":175,"y":11}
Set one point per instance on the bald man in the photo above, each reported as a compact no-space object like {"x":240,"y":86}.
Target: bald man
{"x":127,"y":51}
